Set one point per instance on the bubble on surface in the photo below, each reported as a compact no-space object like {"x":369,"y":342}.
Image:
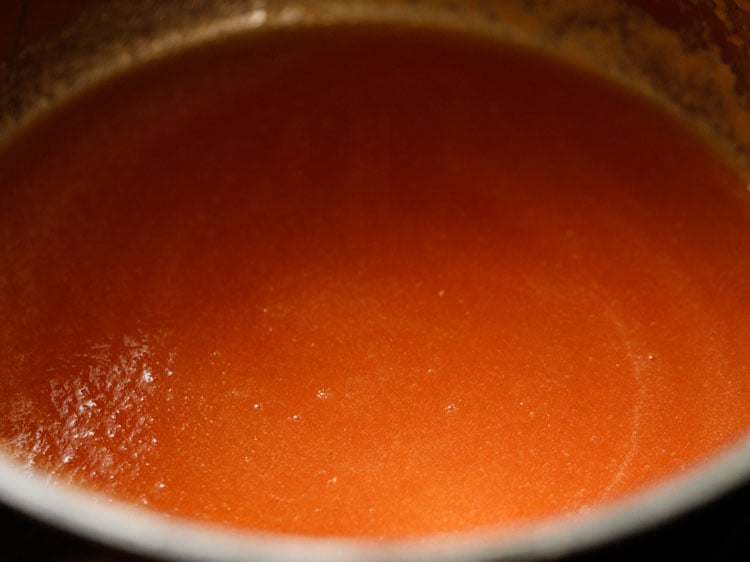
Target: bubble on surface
{"x":98,"y":421}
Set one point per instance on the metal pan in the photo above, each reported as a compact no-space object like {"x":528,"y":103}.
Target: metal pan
{"x":690,"y":56}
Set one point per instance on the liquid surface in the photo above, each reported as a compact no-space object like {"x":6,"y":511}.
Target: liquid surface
{"x":369,"y":282}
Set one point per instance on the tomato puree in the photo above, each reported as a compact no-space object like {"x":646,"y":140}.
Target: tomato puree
{"x":369,"y":281}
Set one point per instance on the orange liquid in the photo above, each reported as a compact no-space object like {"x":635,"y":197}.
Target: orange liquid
{"x":369,"y":282}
